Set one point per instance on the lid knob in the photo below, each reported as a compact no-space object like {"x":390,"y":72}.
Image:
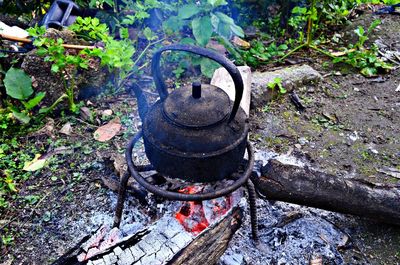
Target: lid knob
{"x":196,"y":89}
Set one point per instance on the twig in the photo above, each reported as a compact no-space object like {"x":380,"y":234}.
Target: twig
{"x":91,"y":125}
{"x":11,"y":222}
{"x":65,"y":45}
{"x":390,"y":59}
{"x":137,"y":61}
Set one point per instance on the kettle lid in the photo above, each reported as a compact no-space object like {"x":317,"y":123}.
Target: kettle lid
{"x":202,"y":106}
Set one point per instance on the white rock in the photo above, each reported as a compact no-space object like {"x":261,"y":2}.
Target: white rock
{"x":222,"y":79}
{"x":107,"y":113}
{"x":13,"y":31}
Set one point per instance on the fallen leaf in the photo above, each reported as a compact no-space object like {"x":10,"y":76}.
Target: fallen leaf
{"x":47,"y":129}
{"x":108,"y":131}
{"x":35,"y":164}
{"x":241,"y":43}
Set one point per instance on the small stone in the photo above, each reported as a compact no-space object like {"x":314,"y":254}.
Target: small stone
{"x":292,"y":78}
{"x":106,"y":113}
{"x":298,"y":146}
{"x":86,"y":114}
{"x":356,"y":89}
{"x":303,"y":141}
{"x":66,"y":129}
{"x":354,"y":137}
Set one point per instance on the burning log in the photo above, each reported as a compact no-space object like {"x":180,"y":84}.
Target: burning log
{"x":209,"y":247}
{"x":198,"y":233}
{"x":305,"y":186}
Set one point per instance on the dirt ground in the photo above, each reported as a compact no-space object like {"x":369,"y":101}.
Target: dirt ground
{"x":350,"y":127}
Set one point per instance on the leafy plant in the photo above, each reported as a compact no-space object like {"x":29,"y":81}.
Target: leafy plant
{"x":261,"y":54}
{"x":90,"y":29}
{"x":19,"y":87}
{"x":140,"y":10}
{"x":276,"y":85}
{"x":116,"y":55}
{"x":204,"y":20}
{"x":12,"y":158}
{"x":360,"y":57}
{"x":65,"y":65}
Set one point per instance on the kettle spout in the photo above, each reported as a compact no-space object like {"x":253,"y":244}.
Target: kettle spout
{"x":143,"y":106}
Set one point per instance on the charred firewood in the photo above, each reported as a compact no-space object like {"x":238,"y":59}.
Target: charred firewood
{"x":305,"y":186}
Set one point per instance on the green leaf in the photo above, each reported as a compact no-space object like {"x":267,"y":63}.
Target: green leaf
{"x":35,"y":101}
{"x":124,"y":33}
{"x":202,"y":29}
{"x":41,"y":51}
{"x":368,"y":71}
{"x":55,"y":68}
{"x":35,"y":164}
{"x":359,"y":31}
{"x":374,"y":24}
{"x":22,"y":117}
{"x":188,"y":11}
{"x":238,"y":31}
{"x":224,"y":18}
{"x":208,"y":67}
{"x":44,"y":110}
{"x":18,"y":84}
{"x":299,"y":10}
{"x":224,"y":30}
{"x":216,"y":3}
{"x":148,"y":33}
{"x":174,"y":24}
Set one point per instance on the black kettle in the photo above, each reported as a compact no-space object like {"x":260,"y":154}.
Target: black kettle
{"x":195,"y":133}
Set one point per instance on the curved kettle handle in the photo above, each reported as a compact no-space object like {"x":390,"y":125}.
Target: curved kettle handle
{"x":222,"y":60}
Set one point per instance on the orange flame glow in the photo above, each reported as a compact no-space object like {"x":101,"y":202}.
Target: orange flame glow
{"x":197,"y":216}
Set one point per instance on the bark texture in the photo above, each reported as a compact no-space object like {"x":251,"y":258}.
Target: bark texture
{"x":305,"y":186}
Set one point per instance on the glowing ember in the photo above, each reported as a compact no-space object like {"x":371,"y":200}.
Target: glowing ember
{"x":197,"y":216}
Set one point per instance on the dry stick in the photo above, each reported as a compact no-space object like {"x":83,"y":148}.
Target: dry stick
{"x":25,"y":40}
